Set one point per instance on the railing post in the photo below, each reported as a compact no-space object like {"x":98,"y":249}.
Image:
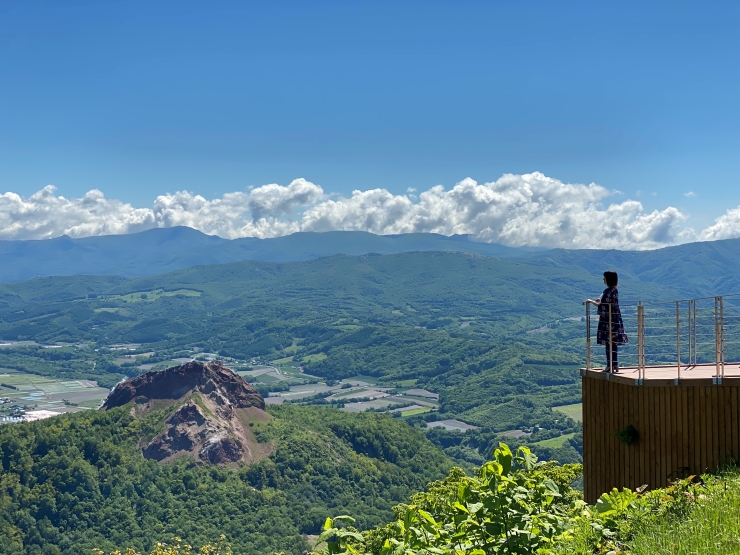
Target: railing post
{"x":694,"y":303}
{"x":588,"y":336}
{"x":688,"y":332}
{"x":722,"y":335}
{"x":678,"y":337}
{"x":640,"y":342}
{"x":610,"y":358}
{"x":717,"y":355}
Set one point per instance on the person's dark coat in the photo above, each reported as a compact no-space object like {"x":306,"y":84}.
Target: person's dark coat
{"x":610,"y":297}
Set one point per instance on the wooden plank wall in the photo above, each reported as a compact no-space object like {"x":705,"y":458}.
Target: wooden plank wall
{"x":683,"y":429}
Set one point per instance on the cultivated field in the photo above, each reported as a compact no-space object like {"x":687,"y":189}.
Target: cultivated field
{"x":574,"y":411}
{"x":42,"y":393}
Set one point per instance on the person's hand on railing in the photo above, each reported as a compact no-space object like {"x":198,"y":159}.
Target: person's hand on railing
{"x":595,"y":302}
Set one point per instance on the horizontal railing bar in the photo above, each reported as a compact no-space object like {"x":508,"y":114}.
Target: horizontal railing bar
{"x":631,"y":302}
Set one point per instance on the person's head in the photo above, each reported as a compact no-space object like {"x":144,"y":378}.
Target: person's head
{"x":611,"y":278}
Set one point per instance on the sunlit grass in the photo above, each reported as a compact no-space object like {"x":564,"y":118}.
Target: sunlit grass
{"x":554,"y":442}
{"x":285,"y":360}
{"x":574,"y":411}
{"x":711,"y":527}
{"x":414,"y":412}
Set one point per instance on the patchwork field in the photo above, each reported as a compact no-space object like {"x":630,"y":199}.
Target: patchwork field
{"x":365,"y":405}
{"x":452,"y":425}
{"x":42,"y":393}
{"x":150,"y":296}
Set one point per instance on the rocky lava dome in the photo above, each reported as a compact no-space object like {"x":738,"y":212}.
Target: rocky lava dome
{"x":175,"y":382}
{"x":209,"y":406}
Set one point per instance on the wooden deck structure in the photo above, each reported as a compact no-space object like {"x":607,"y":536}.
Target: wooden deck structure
{"x":674,"y":409}
{"x":683,"y":426}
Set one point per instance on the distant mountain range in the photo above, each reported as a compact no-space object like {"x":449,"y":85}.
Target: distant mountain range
{"x":706,"y":268}
{"x":162,"y":250}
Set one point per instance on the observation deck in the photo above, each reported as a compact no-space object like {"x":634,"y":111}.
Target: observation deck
{"x":673,"y":409}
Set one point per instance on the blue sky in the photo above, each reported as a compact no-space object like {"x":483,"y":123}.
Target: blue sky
{"x":138,"y":99}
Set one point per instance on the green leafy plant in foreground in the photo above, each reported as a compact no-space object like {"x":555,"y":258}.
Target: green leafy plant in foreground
{"x":628,"y":436}
{"x":513,"y":505}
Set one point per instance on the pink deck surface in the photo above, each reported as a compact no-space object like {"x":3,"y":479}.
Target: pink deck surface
{"x":663,"y":375}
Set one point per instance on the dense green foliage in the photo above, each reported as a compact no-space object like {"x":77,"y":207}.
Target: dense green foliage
{"x":79,"y":481}
{"x":516,"y":505}
{"x":512,"y":505}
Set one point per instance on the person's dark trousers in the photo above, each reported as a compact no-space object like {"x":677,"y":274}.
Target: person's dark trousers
{"x":611,"y":361}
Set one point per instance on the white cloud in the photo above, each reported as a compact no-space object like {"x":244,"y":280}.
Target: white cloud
{"x":530,"y":209}
{"x":255,"y":213}
{"x":44,"y":215}
{"x":690,"y":194}
{"x":727,"y":226}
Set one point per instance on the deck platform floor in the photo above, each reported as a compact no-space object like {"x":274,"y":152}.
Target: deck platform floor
{"x":699,"y":374}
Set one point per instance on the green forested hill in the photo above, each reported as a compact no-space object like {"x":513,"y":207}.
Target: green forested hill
{"x":696,"y":269}
{"x":78,"y":481}
{"x":235,"y":305}
{"x":456,"y":323}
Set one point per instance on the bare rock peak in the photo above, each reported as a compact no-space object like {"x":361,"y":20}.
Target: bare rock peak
{"x":208,"y":421}
{"x":174,"y":383}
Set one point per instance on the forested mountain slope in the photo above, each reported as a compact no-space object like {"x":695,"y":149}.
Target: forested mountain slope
{"x":697,"y":269}
{"x":79,"y":481}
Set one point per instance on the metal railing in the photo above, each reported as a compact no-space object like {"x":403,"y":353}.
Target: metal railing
{"x":683,"y":334}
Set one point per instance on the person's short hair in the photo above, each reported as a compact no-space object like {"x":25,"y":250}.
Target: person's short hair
{"x":611,"y":277}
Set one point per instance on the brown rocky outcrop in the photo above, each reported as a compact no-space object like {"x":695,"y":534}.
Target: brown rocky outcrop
{"x":175,"y":382}
{"x":213,"y":403}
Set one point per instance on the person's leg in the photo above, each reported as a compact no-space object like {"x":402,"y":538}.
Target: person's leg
{"x":615,"y":364}
{"x":608,"y":367}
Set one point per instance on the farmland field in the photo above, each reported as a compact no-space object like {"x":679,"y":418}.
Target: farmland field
{"x":372,"y":380}
{"x":414,"y":412}
{"x":555,"y":442}
{"x":574,"y":411}
{"x":43,"y":393}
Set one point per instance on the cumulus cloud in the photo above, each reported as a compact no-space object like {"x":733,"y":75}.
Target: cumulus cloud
{"x":44,"y":215}
{"x":727,"y":226}
{"x":531,"y":209}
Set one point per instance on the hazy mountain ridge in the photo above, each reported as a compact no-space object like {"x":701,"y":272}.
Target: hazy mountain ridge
{"x":158,"y":251}
{"x":705,"y":268}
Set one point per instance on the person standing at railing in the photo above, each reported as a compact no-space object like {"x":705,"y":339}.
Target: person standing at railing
{"x":610,"y":332}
